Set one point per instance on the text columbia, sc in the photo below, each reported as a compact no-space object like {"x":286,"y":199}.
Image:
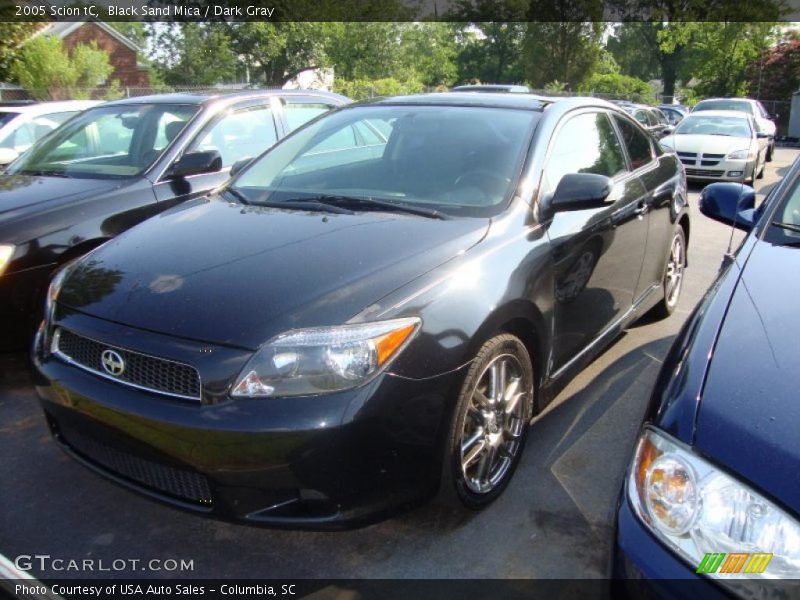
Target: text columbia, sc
{"x":177,"y":10}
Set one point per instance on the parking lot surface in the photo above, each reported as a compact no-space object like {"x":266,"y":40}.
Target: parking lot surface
{"x":555,"y":520}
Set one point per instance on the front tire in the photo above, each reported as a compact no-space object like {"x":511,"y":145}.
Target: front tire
{"x":672,"y":282}
{"x":490,"y":424}
{"x":770,"y":151}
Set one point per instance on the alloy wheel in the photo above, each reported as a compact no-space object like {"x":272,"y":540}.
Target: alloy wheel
{"x":494,"y":424}
{"x":674,"y":276}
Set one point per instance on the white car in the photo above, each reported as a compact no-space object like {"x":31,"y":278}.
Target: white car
{"x":764,"y":121}
{"x":719,"y":145}
{"x":23,"y":124}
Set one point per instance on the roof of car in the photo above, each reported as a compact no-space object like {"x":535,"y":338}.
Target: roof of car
{"x":490,"y":100}
{"x":751,"y":100}
{"x":721,"y":113}
{"x":40,"y":108}
{"x":199,"y":98}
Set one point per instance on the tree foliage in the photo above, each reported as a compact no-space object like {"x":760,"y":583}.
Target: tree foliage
{"x":12,"y":36}
{"x":775,"y":75}
{"x":48,"y":72}
{"x":619,"y":86}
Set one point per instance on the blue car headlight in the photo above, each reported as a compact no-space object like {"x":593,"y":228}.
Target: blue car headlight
{"x":698,"y":510}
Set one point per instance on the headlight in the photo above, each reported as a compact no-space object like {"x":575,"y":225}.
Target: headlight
{"x":53,"y":291}
{"x":744,"y":154}
{"x":323,"y":359}
{"x":6,"y":252}
{"x":698,"y":510}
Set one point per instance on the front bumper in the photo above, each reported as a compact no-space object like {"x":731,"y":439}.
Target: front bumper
{"x":724,"y":170}
{"x":321,"y":462}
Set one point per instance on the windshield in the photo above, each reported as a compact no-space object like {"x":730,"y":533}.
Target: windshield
{"x":107,"y":142}
{"x":739,"y":105}
{"x":712,"y":125}
{"x":457,"y":160}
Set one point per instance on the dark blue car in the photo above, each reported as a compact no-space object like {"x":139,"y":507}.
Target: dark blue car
{"x":712,"y":493}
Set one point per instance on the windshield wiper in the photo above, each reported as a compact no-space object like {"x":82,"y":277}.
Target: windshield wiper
{"x":369,"y":202}
{"x":43,"y":173}
{"x":237,"y":194}
{"x":788,"y":226}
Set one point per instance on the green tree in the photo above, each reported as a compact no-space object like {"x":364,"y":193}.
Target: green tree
{"x":562,"y":41}
{"x":491,"y":38}
{"x":619,"y":86}
{"x":275,"y":52}
{"x":430,"y":52}
{"x":566,"y":51}
{"x":363,"y":50}
{"x":721,"y":53}
{"x":48,"y":72}
{"x":12,"y":36}
{"x":197,"y":54}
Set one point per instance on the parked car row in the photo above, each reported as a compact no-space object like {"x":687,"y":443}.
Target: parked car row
{"x":328,"y":311}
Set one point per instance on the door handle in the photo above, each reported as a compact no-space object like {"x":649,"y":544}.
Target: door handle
{"x":641,"y":209}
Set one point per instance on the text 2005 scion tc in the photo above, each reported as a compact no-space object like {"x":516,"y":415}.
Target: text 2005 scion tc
{"x":373,"y":310}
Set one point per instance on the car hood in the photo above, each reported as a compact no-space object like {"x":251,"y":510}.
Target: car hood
{"x":23,"y":194}
{"x":233,"y":274}
{"x":711,"y":144}
{"x":749,"y":414}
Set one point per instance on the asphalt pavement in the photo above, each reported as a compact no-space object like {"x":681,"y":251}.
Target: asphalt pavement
{"x":555,"y":520}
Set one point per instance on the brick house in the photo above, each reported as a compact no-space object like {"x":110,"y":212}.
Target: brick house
{"x":122,"y":52}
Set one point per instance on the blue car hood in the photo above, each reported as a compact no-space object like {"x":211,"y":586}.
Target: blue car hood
{"x":749,"y":414}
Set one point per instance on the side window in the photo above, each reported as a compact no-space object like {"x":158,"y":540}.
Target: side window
{"x":241,"y":134}
{"x":637,"y":142}
{"x":586,"y":143}
{"x":641,"y":116}
{"x":299,"y":113}
{"x":23,"y":137}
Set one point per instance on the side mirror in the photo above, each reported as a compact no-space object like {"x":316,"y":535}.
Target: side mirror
{"x":762,"y":135}
{"x":195,"y":163}
{"x":7,"y":156}
{"x":729,"y":203}
{"x":581,"y":191}
{"x":667,"y":131}
{"x":239,"y":165}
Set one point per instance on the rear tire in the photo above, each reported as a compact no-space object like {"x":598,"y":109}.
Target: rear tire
{"x":672,"y":283}
{"x":489,"y":426}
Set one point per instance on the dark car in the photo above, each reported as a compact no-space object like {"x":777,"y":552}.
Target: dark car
{"x":651,"y":118}
{"x":713,"y":490}
{"x":347,"y":326}
{"x":114,"y":166}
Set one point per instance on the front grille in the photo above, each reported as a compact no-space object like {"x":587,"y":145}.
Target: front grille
{"x":179,"y":483}
{"x":692,"y":155}
{"x":704,"y":173}
{"x":140,"y":370}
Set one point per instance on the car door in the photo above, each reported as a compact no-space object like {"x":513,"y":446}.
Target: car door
{"x":243,"y":131}
{"x":597,"y":253}
{"x":659,"y":177}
